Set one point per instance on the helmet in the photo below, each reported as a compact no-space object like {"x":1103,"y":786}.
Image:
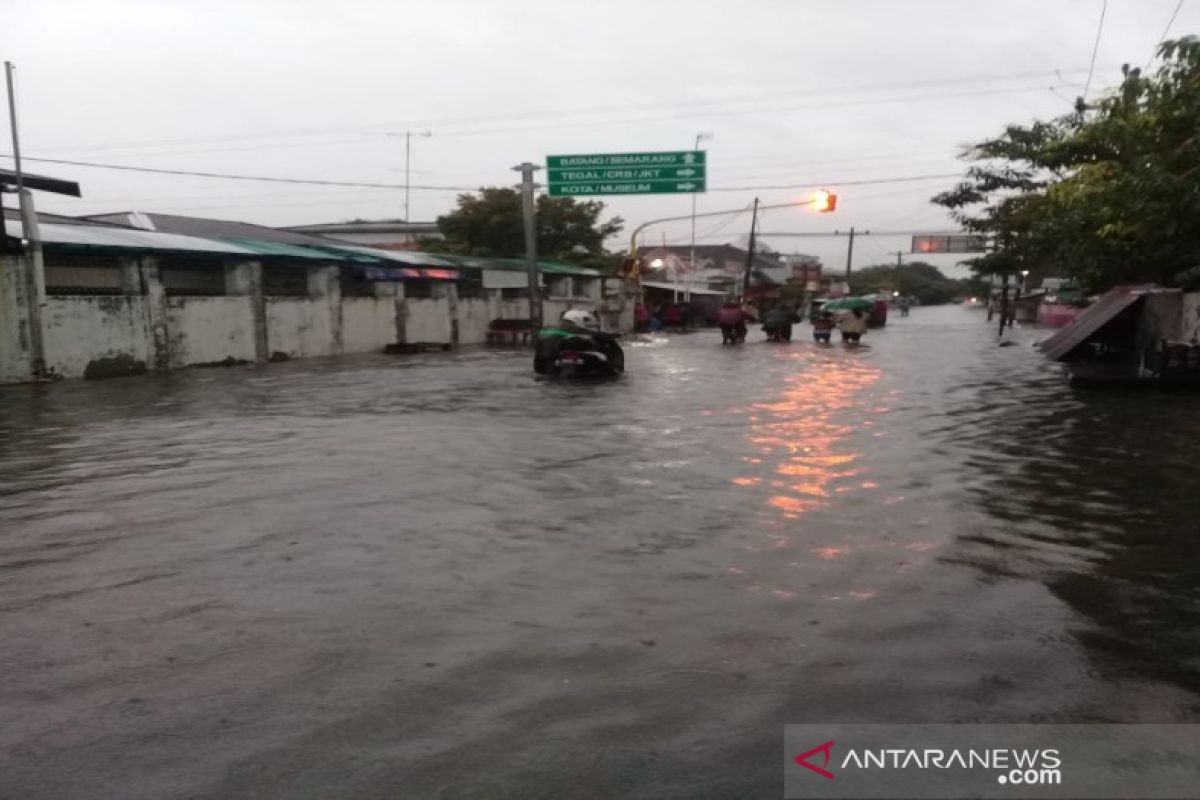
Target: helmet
{"x":581,"y":318}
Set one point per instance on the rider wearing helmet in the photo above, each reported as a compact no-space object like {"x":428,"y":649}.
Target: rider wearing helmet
{"x":575,"y":324}
{"x":581,"y":318}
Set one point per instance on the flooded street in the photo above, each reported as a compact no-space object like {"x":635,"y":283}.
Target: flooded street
{"x":434,"y":576}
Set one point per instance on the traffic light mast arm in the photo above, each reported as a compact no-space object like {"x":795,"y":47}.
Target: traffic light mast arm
{"x":633,"y":237}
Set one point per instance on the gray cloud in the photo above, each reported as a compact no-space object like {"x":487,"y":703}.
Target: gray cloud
{"x":794,"y":92}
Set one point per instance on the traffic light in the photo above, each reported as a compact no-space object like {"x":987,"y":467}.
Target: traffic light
{"x":824,"y":201}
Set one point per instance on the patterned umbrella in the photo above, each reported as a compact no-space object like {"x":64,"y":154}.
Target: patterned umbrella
{"x":849,"y":304}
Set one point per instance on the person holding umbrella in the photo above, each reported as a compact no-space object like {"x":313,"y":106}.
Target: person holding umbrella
{"x":822,"y":327}
{"x":853,"y":325}
{"x":853,"y":320}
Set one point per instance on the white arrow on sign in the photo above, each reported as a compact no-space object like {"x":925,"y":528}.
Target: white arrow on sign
{"x":688,"y":158}
{"x":685,"y":173}
{"x":685,"y":186}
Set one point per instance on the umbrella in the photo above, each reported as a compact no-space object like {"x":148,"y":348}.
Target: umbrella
{"x":849,"y":304}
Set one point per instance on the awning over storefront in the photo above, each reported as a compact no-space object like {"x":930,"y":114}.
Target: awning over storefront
{"x":408,"y":273}
{"x":1091,"y":320}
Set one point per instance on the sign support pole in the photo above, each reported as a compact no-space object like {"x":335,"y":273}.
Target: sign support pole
{"x":529,"y":212}
{"x":32,"y":280}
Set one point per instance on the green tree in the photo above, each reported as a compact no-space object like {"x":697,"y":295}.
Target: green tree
{"x":1107,"y":194}
{"x":917,"y":279}
{"x":489,"y":223}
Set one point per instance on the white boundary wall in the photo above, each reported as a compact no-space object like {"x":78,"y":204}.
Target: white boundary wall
{"x":103,"y":335}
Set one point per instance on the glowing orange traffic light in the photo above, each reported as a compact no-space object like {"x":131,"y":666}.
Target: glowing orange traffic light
{"x":824,"y":201}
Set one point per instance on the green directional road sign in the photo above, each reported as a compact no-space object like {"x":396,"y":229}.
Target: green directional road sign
{"x":681,"y":172}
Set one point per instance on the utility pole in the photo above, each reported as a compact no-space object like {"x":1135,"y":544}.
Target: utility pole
{"x":899,"y":254}
{"x":407,"y":177}
{"x":687,"y":296}
{"x":529,"y":211}
{"x":9,"y":68}
{"x":31,"y":281}
{"x":1012,"y":316}
{"x":750,"y":252}
{"x":1003,"y":302}
{"x":850,"y":254}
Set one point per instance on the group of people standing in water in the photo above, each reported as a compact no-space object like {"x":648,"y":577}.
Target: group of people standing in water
{"x":778,"y":321}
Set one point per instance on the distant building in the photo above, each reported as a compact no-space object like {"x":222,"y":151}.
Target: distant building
{"x":804,"y":269}
{"x":385,"y":235}
{"x":718,"y":267}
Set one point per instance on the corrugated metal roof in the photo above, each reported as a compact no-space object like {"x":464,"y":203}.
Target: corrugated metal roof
{"x":103,"y":236}
{"x":211,"y":228}
{"x":279,"y":249}
{"x":412,"y":259}
{"x":418,"y":259}
{"x":45,"y":218}
{"x":1091,"y":320}
{"x":199,"y":235}
{"x":550,"y":267}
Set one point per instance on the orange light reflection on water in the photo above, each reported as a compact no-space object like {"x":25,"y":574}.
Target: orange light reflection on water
{"x":802,"y":460}
{"x":802,"y":435}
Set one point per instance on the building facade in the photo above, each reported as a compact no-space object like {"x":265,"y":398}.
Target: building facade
{"x":117,"y":299}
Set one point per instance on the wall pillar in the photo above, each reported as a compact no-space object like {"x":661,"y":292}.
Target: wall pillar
{"x":131,"y":276}
{"x":156,"y":313}
{"x":401,"y":315}
{"x":244,"y":279}
{"x":494,"y":297}
{"x":324,"y":286}
{"x":451,"y":290}
{"x":14,"y":322}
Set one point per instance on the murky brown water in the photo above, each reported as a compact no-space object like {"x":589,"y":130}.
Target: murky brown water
{"x":436,"y":577}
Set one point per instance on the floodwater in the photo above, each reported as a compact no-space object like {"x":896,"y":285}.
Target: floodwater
{"x":435,"y":577}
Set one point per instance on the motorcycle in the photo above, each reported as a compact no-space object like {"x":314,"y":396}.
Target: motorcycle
{"x":579,"y":355}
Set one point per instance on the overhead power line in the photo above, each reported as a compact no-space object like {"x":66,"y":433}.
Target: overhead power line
{"x":594,"y":120}
{"x":1165,"y":32}
{"x":836,"y":184}
{"x":1095,"y":49}
{"x":559,"y":113}
{"x":365,"y":185}
{"x":231,"y":177}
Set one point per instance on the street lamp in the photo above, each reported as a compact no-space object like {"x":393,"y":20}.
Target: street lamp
{"x":1024,"y":281}
{"x":407,"y":175}
{"x":700,"y":137}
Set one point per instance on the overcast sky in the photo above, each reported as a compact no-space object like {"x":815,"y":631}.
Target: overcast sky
{"x":794,"y":92}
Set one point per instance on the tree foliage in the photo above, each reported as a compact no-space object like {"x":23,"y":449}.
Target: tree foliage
{"x":1107,"y":194}
{"x":918,"y":279}
{"x":489,"y":223}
